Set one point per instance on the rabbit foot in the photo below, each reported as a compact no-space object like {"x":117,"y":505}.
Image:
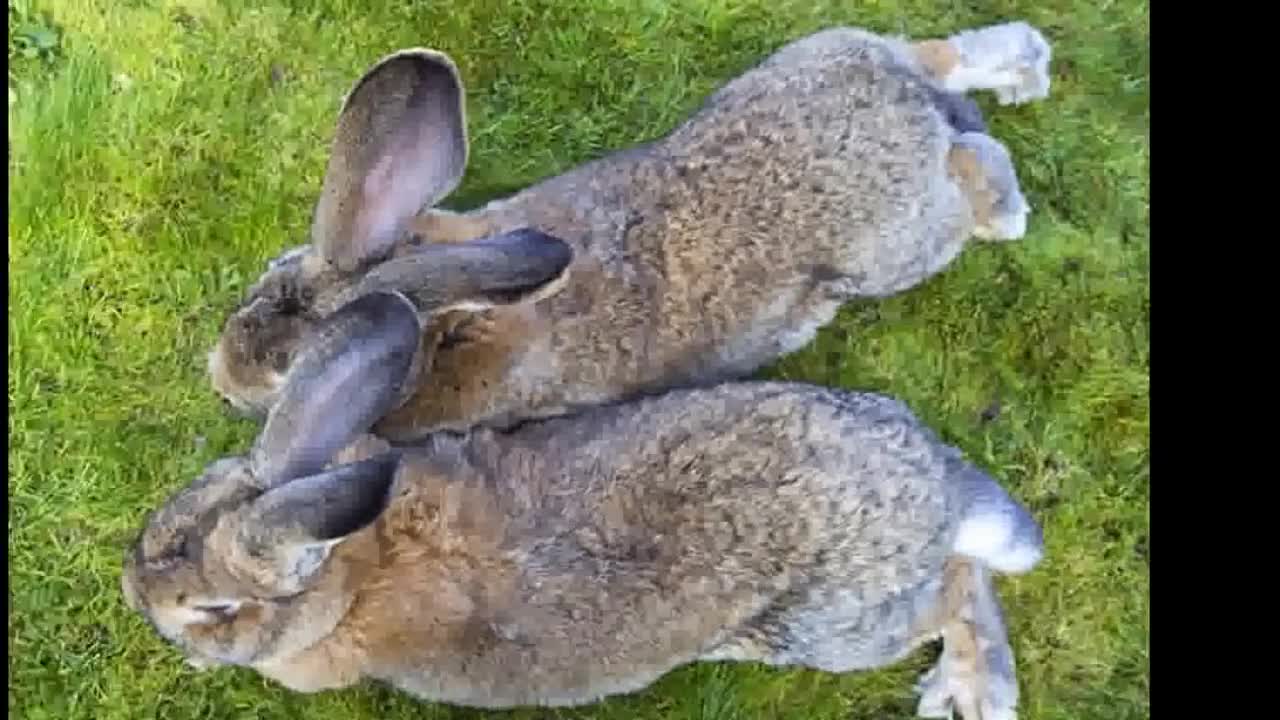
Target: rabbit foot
{"x":974,"y":677}
{"x":200,"y":664}
{"x":985,"y":171}
{"x":1011,"y":59}
{"x":1004,"y":226}
{"x":944,"y":692}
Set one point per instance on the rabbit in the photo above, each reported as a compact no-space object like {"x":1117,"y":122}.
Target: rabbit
{"x":846,"y":165}
{"x":568,"y":559}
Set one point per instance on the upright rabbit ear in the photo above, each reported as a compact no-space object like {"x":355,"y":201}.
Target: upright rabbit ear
{"x":297,"y":524}
{"x":400,"y":145}
{"x":349,"y":375}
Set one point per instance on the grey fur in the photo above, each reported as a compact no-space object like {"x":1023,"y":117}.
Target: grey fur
{"x":832,"y":170}
{"x":960,"y":111}
{"x":579,"y":557}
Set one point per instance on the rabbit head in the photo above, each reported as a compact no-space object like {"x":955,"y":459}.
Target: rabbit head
{"x":246,"y":563}
{"x":400,"y":146}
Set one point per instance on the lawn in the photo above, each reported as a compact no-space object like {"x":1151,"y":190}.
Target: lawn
{"x":160,"y":152}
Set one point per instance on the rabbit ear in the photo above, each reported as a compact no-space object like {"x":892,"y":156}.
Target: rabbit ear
{"x":400,"y":145}
{"x":348,"y":375}
{"x":502,"y":269}
{"x":296,"y":525}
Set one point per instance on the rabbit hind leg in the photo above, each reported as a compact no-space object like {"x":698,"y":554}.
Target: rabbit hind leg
{"x":1011,"y":59}
{"x":974,"y":677}
{"x":984,"y":170}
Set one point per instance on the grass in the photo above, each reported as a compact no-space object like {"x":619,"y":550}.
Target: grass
{"x":161,"y":151}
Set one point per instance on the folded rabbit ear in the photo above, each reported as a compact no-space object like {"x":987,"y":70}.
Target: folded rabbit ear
{"x":400,"y":145}
{"x":349,"y":375}
{"x":503,"y":269}
{"x":296,"y":525}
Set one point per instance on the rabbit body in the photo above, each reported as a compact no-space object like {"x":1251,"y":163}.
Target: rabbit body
{"x":580,"y":557}
{"x":572,"y":558}
{"x":816,"y":178}
{"x":830,"y":171}
{"x":588,"y":556}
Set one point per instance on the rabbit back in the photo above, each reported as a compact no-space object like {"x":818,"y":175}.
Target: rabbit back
{"x":836,"y":141}
{"x":600,"y":551}
{"x":817,"y":176}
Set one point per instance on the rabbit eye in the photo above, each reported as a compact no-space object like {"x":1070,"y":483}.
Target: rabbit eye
{"x":222,"y":612}
{"x":451,"y":339}
{"x":179,"y":551}
{"x":289,"y":305}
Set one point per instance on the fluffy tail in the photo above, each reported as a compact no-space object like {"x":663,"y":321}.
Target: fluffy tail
{"x":995,"y":528}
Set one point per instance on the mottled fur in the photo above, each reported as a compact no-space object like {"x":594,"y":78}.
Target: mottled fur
{"x":844,"y":165}
{"x":573,"y":558}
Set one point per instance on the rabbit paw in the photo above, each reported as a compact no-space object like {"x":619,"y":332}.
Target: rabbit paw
{"x":200,"y":664}
{"x":943,"y":694}
{"x":1011,"y":59}
{"x":986,"y":173}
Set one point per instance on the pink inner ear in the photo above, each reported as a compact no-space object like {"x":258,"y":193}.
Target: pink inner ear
{"x":398,"y":186}
{"x":382,"y":207}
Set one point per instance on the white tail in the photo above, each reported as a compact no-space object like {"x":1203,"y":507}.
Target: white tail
{"x":996,"y":529}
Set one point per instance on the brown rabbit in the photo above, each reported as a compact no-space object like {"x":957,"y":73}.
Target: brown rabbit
{"x":578,"y":557}
{"x":845,"y":165}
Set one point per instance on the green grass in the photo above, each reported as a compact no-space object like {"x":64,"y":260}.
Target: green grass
{"x":160,"y":152}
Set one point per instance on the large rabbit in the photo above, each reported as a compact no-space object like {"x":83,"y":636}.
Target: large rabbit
{"x":577,"y":557}
{"x":846,"y":165}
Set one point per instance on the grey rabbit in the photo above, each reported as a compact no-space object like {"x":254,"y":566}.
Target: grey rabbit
{"x":568,"y":559}
{"x":845,"y":165}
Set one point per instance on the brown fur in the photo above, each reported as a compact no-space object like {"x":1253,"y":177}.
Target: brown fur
{"x":574,"y":558}
{"x":964,"y":165}
{"x":938,"y":57}
{"x":586,"y":556}
{"x":476,"y":350}
{"x":446,"y":227}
